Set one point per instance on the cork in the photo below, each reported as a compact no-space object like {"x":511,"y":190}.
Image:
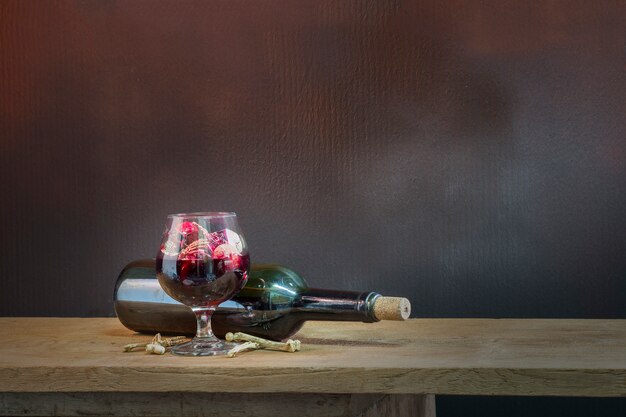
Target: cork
{"x":392,"y":308}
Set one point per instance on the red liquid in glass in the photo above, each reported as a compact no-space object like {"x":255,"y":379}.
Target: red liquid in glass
{"x":203,"y":282}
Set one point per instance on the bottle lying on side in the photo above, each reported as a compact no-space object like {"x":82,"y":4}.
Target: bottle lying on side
{"x":274,"y":304}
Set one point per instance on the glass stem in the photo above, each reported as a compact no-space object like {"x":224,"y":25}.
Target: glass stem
{"x":203,"y":317}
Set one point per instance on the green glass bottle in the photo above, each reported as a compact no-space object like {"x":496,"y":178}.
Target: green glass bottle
{"x":274,"y":304}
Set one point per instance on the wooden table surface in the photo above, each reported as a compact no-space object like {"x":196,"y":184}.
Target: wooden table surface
{"x":419,"y":356}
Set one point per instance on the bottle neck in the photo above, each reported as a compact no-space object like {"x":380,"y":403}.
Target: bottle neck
{"x":333,"y":305}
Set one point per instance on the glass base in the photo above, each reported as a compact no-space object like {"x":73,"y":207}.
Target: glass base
{"x":203,"y":347}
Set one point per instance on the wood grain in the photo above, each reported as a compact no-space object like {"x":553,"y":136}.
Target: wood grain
{"x":177,"y":404}
{"x":428,"y":356}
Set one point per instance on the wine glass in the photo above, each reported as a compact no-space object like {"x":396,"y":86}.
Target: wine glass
{"x":203,"y":261}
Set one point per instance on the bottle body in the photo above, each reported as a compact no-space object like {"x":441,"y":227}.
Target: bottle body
{"x":274,"y":304}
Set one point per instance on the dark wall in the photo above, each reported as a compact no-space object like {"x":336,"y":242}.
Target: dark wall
{"x":468,"y":155}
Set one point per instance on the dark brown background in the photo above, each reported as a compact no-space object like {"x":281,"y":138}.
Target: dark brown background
{"x":469,"y":155}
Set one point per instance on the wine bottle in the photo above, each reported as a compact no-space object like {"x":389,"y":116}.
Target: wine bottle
{"x":274,"y":304}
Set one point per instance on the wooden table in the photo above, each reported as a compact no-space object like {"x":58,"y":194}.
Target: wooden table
{"x":73,"y":366}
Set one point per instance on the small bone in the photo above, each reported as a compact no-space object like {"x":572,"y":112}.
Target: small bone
{"x":155,"y":348}
{"x":132,"y":346}
{"x":168,"y":341}
{"x":289,"y":346}
{"x":292,"y":345}
{"x":157,"y":344}
{"x":242,"y":347}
